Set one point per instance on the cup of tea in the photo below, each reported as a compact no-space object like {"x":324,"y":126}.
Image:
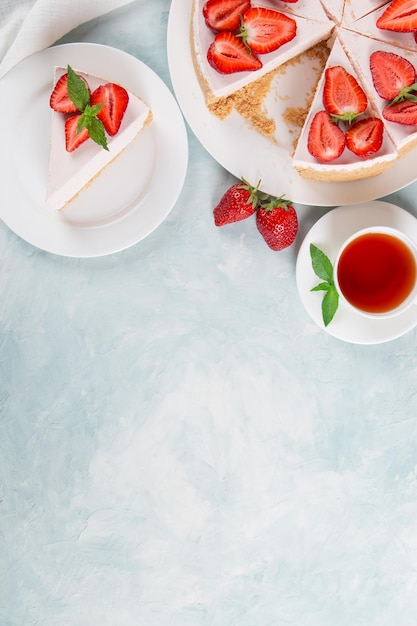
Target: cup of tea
{"x":375,"y":272}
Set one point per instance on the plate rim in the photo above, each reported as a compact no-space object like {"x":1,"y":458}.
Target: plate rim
{"x":66,"y":239}
{"x":388,"y":329}
{"x":205,"y":127}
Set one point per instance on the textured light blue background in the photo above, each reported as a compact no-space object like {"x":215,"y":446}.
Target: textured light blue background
{"x":179,"y":444}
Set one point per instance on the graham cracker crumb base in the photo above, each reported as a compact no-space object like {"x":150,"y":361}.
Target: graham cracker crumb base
{"x":248,"y":102}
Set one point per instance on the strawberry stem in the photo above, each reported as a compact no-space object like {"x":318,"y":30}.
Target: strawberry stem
{"x":259,"y":199}
{"x":406,"y":94}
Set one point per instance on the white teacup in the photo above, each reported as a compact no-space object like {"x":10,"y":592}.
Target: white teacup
{"x":375,"y":272}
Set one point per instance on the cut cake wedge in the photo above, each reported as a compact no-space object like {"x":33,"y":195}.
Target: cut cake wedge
{"x":70,"y":172}
{"x":366,"y":25}
{"x":217,"y":86}
{"x":348,"y":166}
{"x":360,"y":49}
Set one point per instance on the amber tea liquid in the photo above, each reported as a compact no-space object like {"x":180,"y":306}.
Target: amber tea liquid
{"x":376,"y":272}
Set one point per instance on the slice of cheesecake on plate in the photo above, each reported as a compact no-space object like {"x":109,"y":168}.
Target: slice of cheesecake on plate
{"x":74,"y":163}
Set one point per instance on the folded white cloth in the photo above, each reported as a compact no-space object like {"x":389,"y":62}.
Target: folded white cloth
{"x":27,"y":26}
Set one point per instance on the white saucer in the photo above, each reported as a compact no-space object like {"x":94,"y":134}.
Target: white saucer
{"x":328,"y":233}
{"x":137,"y":190}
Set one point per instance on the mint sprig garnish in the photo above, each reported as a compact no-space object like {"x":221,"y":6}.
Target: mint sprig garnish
{"x":80,"y":96}
{"x":77,"y":89}
{"x":323,"y":268}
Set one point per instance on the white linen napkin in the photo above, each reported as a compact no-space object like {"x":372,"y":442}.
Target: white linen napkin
{"x":27,"y":26}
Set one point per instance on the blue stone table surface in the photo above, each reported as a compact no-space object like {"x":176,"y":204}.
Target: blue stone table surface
{"x":180,"y":445}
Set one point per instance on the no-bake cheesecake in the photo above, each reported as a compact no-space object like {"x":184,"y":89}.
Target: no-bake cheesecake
{"x":71,"y":170}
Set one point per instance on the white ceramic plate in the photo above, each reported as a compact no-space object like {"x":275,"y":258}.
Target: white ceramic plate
{"x":328,"y":233}
{"x":244,"y":152}
{"x":131,"y":197}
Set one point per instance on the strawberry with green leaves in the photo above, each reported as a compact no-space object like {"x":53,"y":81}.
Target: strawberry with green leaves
{"x":222,"y":15}
{"x":393,"y":76}
{"x":395,"y":80}
{"x":237,"y":203}
{"x":265,"y":30}
{"x":343,"y":97}
{"x":278,"y":223}
{"x":276,"y":218}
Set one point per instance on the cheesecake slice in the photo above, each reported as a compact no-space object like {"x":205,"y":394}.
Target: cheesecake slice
{"x":70,"y":172}
{"x":360,"y":49}
{"x":348,"y":166}
{"x":367,"y":25}
{"x":218,"y":87}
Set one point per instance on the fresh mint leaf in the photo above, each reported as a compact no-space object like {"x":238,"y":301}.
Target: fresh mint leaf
{"x":321,"y":264}
{"x":323,"y":268}
{"x":94,"y":126}
{"x":77,"y":90}
{"x":329,"y":305}
{"x":322,"y":287}
{"x":93,"y":110}
{"x":96,"y":131}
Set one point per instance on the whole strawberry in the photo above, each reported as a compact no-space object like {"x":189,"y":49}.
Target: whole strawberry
{"x":237,"y":203}
{"x":278,"y":223}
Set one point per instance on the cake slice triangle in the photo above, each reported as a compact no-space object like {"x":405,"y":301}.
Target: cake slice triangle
{"x":367,"y":25}
{"x":348,"y":166}
{"x":70,"y":172}
{"x":216,"y":86}
{"x":360,"y":49}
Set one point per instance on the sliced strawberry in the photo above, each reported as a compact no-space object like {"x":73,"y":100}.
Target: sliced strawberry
{"x":404,"y":112}
{"x":60,"y":100}
{"x":364,"y":138}
{"x":400,"y":16}
{"x":228,"y":54}
{"x":115,"y":100}
{"x":326,"y":141}
{"x":224,"y":14}
{"x":343,"y":97}
{"x":73,"y":139}
{"x":392,"y":74}
{"x":265,"y":30}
